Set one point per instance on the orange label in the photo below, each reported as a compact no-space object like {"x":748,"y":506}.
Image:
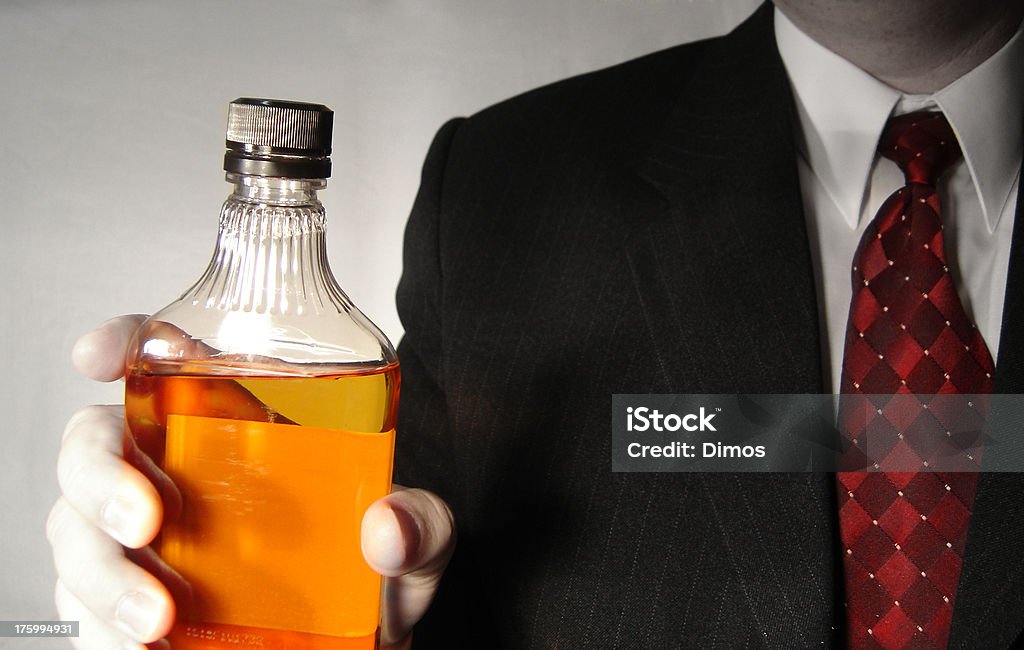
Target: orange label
{"x":270,"y":527}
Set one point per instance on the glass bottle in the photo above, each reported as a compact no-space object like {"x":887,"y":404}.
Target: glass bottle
{"x":270,"y":400}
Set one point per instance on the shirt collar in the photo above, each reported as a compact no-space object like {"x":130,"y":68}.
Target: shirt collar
{"x":843,"y":109}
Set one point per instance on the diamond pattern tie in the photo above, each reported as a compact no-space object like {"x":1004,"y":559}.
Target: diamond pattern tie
{"x":904,"y":533}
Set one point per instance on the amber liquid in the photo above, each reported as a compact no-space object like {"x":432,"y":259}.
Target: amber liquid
{"x":275,"y":473}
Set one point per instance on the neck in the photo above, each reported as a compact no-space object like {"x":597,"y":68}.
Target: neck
{"x":892,"y":42}
{"x":271,"y":254}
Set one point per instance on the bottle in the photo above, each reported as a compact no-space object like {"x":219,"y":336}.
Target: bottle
{"x":270,"y":401}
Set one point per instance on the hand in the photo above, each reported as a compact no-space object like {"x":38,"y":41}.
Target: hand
{"x":111,"y":509}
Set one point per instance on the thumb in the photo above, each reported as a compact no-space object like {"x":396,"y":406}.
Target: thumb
{"x":99,"y":354}
{"x":408,"y":537}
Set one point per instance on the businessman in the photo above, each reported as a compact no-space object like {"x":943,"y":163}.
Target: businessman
{"x":682,"y":223}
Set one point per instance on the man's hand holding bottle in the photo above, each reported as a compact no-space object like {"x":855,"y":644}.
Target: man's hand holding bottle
{"x":112,"y":508}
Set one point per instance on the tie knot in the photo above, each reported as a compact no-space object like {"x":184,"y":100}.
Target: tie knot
{"x":922,"y":144}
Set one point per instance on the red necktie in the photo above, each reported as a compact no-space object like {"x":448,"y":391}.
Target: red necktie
{"x":904,"y":533}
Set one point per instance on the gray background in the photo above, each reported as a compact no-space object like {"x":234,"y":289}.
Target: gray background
{"x":111,"y":137}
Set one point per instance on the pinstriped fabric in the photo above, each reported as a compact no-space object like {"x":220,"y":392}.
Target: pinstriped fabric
{"x":562,"y":248}
{"x":544,"y":274}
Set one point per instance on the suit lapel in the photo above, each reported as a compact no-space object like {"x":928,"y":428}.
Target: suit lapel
{"x":990,"y":599}
{"x":711,"y":268}
{"x":726,"y":286}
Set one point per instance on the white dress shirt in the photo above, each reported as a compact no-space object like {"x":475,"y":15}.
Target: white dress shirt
{"x":842,"y":111}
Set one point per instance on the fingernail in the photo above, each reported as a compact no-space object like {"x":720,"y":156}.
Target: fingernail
{"x":120,"y":517}
{"x":138,"y":613}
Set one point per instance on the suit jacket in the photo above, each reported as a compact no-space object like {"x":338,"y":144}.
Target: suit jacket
{"x":637,"y":230}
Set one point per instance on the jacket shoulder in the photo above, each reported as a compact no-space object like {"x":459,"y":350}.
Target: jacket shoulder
{"x":612,"y":109}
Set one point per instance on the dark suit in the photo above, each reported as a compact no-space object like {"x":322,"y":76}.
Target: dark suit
{"x":636,"y":230}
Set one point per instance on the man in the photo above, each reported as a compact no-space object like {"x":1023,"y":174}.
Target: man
{"x":652,"y":228}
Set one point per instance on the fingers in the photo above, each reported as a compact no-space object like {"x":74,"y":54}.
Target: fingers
{"x":92,"y":632}
{"x":96,"y":576}
{"x":408,"y":536}
{"x":99,"y":354}
{"x":106,"y":491}
{"x":106,"y":503}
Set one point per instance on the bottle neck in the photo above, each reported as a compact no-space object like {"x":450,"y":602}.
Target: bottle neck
{"x":271,"y":253}
{"x":276,"y":191}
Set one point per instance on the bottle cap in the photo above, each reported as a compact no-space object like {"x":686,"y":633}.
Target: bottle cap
{"x":272,"y":137}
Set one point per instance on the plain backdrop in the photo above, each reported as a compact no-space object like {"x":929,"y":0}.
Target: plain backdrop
{"x":111,"y":139}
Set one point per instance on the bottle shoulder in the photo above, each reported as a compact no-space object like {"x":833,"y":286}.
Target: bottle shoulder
{"x":268,"y":298}
{"x":215,"y":341}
